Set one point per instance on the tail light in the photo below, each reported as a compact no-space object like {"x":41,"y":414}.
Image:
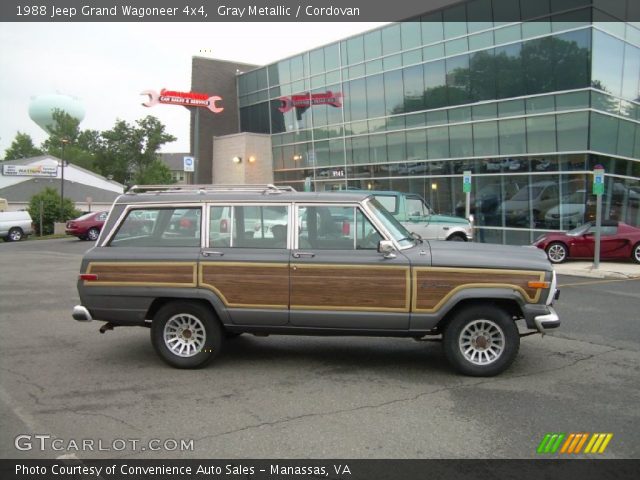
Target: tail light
{"x":224,"y":226}
{"x":346,"y":228}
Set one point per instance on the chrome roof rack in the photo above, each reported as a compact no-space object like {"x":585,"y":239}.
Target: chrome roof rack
{"x":264,"y":188}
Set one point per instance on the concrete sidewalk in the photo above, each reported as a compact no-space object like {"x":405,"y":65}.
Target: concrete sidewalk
{"x":607,"y":269}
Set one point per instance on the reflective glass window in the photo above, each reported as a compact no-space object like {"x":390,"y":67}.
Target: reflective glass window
{"x":541,"y":134}
{"x":432,"y":52}
{"x":437,"y":118}
{"x":537,"y":60}
{"x":391,"y":62}
{"x":512,"y":136}
{"x":569,"y":101}
{"x":316,"y":61}
{"x":482,"y":75}
{"x":360,"y":149}
{"x":511,"y":108}
{"x":372,"y":45}
{"x":413,"y":81}
{"x":535,"y":29}
{"x":396,"y":146}
{"x":540,"y":104}
{"x":410,"y":35}
{"x":454,"y":47}
{"x":457,"y":76}
{"x":461,"y":137}
{"x":432,"y":28}
{"x":393,"y":92}
{"x":375,"y":96}
{"x":331,"y":57}
{"x":485,"y":139}
{"x":608,"y":56}
{"x":416,"y":144}
{"x":571,"y":59}
{"x":573,"y":131}
{"x":355,"y":50}
{"x":626,"y":132}
{"x":391,"y":39}
{"x":438,"y":142}
{"x":378,"y":148}
{"x":535,"y":9}
{"x":164,"y":227}
{"x":604,"y":133}
{"x":481,"y":40}
{"x":607,"y":103}
{"x":509,"y":71}
{"x":412,"y":57}
{"x":455,"y":21}
{"x":482,"y":112}
{"x":631,"y":72}
{"x":459,"y":115}
{"x":511,"y":33}
{"x":357,"y":99}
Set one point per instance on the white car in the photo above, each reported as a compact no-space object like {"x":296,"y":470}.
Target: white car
{"x":14,"y":226}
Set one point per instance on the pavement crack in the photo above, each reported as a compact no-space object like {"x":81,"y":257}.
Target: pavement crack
{"x":25,"y":379}
{"x":110,"y":417}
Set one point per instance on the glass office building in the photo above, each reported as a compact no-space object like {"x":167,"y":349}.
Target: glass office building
{"x":530,"y":100}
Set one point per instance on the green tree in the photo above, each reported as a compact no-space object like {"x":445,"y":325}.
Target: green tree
{"x":49,"y":200}
{"x":129,"y":153}
{"x":22,"y":147}
{"x":79,"y":146}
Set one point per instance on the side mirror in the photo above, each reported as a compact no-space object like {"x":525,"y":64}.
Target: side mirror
{"x":386,"y":248}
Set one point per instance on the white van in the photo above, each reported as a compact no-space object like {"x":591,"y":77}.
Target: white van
{"x":14,"y":226}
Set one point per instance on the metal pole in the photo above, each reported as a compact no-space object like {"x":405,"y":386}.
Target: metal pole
{"x":41,"y":215}
{"x":196,"y":147}
{"x":64,"y":142}
{"x":596,"y":255}
{"x":467,"y":205}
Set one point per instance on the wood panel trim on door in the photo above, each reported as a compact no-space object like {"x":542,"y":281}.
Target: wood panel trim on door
{"x":433,"y":286}
{"x":143,"y":274}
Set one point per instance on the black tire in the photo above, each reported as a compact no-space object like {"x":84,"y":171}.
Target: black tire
{"x":15,"y":235}
{"x":557,"y":252}
{"x":195,"y":319}
{"x":635,"y":253}
{"x":93,"y":234}
{"x":456,"y":237}
{"x":475,"y":355}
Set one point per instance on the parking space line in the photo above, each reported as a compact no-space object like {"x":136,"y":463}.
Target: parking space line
{"x":596,"y":282}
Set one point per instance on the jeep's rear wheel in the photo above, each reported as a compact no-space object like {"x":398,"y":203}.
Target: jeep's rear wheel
{"x":481,"y":341}
{"x":186,"y":335}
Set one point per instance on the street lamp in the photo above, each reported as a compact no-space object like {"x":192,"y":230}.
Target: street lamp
{"x":64,"y":143}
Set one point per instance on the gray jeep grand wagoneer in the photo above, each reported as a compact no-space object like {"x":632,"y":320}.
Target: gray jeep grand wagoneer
{"x":212,"y":262}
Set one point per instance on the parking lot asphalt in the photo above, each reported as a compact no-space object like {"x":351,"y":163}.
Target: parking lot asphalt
{"x":305,"y":397}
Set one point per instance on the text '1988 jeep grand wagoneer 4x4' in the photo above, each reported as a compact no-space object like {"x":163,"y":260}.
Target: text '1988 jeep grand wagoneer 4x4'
{"x":217,"y":261}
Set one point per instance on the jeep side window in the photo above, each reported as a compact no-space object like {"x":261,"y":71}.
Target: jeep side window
{"x":159,"y":227}
{"x":335,"y":228}
{"x":249,"y":226}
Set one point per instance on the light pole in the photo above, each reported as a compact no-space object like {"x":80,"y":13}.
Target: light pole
{"x":64,"y":143}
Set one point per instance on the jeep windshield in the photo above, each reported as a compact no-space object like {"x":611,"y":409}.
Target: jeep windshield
{"x":400,"y":234}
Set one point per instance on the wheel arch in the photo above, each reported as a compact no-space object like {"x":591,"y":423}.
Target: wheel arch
{"x":210,"y":301}
{"x":506,"y":302}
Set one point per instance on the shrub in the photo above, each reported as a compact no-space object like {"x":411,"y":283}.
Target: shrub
{"x":49,"y":198}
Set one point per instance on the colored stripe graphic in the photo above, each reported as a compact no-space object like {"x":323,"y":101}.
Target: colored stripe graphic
{"x":573,"y":443}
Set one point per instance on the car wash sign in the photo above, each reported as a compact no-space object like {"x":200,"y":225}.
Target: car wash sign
{"x":303,"y":101}
{"x":30,"y":170}
{"x":186,"y":99}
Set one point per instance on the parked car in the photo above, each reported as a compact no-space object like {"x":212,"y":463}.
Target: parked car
{"x":14,"y":226}
{"x":417,"y":216}
{"x":488,"y":198}
{"x":529,"y":205}
{"x":570,"y":211}
{"x":88,"y":226}
{"x":342,"y":266}
{"x":617,"y":241}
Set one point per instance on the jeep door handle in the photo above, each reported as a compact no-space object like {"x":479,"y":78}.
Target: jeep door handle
{"x":303,"y":255}
{"x":208,"y":253}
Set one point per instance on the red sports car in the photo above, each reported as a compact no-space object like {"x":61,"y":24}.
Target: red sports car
{"x":87,"y":227}
{"x":617,"y":241}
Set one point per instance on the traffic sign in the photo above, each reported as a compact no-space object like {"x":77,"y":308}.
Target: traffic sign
{"x":188,"y":164}
{"x":466,"y":181}
{"x":598,"y":180}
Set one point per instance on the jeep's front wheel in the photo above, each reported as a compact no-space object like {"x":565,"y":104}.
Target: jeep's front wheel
{"x":186,"y":335}
{"x":481,"y":341}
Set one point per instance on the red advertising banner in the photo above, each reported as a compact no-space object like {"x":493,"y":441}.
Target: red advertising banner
{"x":306,"y":100}
{"x":186,"y":99}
